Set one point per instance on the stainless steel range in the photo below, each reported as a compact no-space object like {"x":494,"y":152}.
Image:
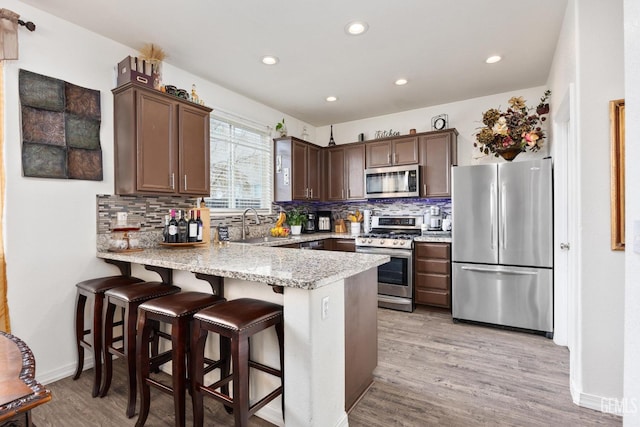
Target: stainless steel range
{"x":393,"y":236}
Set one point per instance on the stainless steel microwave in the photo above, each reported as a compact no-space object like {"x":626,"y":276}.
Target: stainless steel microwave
{"x":392,"y":181}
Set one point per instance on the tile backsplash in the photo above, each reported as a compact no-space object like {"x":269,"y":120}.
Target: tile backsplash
{"x":149,"y":212}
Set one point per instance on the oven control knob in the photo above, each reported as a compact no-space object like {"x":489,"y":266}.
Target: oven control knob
{"x":395,"y":242}
{"x":381,"y":242}
{"x":369,"y":240}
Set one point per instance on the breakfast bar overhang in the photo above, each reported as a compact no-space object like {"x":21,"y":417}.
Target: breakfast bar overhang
{"x":320,"y":292}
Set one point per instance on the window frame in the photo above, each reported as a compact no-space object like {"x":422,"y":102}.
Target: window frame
{"x":240,"y":122}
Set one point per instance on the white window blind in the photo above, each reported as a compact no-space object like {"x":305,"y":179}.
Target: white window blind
{"x":241,"y":166}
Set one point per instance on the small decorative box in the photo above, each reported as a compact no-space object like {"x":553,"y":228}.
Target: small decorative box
{"x":133,"y":69}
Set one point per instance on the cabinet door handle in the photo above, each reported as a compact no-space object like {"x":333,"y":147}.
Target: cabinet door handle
{"x":306,"y":193}
{"x":389,"y":158}
{"x":343,"y":193}
{"x":311,"y":194}
{"x":348,"y":193}
{"x":395,"y":160}
{"x":424,"y":191}
{"x":173,"y":181}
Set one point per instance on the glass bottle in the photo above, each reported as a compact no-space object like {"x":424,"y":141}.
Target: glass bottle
{"x":193,"y":228}
{"x":200,"y":227}
{"x":182,"y":228}
{"x":173,"y":228}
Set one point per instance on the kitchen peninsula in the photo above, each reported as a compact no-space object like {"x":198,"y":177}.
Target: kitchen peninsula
{"x":330,"y":306}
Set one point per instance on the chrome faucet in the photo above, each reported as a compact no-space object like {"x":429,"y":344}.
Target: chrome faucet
{"x":244,"y":214}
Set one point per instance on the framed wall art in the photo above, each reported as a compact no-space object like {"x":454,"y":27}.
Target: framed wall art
{"x":616,"y":112}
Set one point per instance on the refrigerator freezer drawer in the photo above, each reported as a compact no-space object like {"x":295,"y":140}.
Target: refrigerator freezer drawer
{"x":510,"y":296}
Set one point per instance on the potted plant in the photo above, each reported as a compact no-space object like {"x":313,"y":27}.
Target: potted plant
{"x":281,"y":128}
{"x":295,"y":218}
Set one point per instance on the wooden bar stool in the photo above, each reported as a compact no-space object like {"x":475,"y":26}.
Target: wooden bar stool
{"x":94,"y":290}
{"x":176,"y":310}
{"x":129,"y":298}
{"x":235,"y":321}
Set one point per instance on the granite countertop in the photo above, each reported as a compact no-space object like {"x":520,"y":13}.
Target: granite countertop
{"x":305,"y":269}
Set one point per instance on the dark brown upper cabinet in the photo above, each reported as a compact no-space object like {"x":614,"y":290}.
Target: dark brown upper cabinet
{"x":298,"y":170}
{"x":395,"y":151}
{"x":438,"y":152}
{"x":345,"y":172}
{"x":161,"y":143}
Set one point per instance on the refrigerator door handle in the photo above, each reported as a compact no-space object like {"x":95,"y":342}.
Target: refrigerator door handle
{"x":492,"y":203}
{"x":503,"y":217}
{"x":489,"y":270}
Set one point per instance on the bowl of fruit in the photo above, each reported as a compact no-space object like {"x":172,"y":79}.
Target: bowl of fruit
{"x":278,"y":230}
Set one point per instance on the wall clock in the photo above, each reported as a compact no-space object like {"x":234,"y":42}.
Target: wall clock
{"x":439,"y":122}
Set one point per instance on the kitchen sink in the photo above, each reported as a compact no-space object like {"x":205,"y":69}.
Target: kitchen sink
{"x":265,"y":239}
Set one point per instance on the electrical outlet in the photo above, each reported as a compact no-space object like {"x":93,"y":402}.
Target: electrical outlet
{"x":325,"y":308}
{"x":121,"y":218}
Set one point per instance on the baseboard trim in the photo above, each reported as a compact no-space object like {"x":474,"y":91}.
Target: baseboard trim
{"x":273,"y":415}
{"x":609,"y":405}
{"x":62,"y":372}
{"x":343,"y":421}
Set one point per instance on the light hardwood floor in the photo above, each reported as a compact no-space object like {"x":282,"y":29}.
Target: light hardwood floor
{"x":431,"y":372}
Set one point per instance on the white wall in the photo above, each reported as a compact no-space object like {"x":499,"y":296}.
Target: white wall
{"x":600,"y":79}
{"x":50,"y":225}
{"x":632,"y":257}
{"x":465,"y":116}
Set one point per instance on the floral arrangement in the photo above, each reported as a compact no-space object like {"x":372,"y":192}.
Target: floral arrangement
{"x":514,"y":130}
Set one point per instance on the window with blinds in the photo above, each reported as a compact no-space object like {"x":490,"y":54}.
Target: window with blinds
{"x":241,"y":166}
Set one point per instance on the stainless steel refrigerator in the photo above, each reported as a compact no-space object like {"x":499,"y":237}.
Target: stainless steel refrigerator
{"x":502,"y":238}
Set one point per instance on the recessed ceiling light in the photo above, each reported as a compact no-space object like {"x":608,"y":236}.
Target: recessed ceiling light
{"x":332,"y":98}
{"x":270,"y":60}
{"x":356,"y":28}
{"x":401,"y":82}
{"x":493,"y":59}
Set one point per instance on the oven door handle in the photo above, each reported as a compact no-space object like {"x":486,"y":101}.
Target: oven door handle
{"x":398,"y":253}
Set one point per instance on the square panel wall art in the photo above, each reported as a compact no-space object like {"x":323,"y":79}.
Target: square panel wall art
{"x":60,"y":129}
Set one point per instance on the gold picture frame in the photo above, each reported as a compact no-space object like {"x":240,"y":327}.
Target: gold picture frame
{"x":616,"y":114}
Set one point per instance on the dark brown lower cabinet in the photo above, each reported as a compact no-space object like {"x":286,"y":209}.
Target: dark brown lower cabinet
{"x":432,"y":279}
{"x":343,"y":245}
{"x":360,"y":334}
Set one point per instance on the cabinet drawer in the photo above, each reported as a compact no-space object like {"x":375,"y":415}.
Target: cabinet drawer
{"x":433,"y":281}
{"x":428,"y":297}
{"x":433,"y":250}
{"x":439,"y":266}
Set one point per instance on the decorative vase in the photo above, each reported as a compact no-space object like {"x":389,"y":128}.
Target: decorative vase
{"x":509,"y":155}
{"x":296,"y":230}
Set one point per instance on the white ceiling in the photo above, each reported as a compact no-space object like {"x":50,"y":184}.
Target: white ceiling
{"x":438,"y":45}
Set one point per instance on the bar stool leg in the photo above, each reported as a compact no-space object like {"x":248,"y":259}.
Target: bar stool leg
{"x":97,"y":344}
{"x":81,"y":301}
{"x":198,"y":340}
{"x":225,"y":367}
{"x":109,"y":312}
{"x":129,"y":348}
{"x":142,"y":356}
{"x":280,"y":334}
{"x":178,"y":369}
{"x":240,"y":353}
